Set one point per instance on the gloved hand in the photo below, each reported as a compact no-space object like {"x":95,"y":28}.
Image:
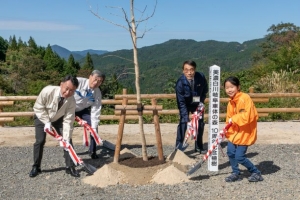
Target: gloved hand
{"x":90,"y":96}
{"x":230,"y":121}
{"x":47,"y":126}
{"x":92,"y":99}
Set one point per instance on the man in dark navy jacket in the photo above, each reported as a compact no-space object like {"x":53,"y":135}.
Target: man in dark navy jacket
{"x":191,"y":89}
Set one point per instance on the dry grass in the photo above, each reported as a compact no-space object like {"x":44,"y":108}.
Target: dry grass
{"x":279,"y":82}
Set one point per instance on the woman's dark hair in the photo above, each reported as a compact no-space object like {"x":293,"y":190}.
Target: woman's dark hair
{"x":233,"y":80}
{"x":73,"y":80}
{"x":189,"y":62}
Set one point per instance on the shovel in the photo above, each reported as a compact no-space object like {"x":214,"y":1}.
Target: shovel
{"x":109,"y":145}
{"x":65,"y":144}
{"x":214,"y":145}
{"x":90,"y":169}
{"x":181,"y":146}
{"x":192,"y":129}
{"x":95,"y":135}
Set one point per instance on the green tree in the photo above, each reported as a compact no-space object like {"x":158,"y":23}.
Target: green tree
{"x":13,"y":45}
{"x":288,"y":56}
{"x":110,"y":87}
{"x":21,"y":44}
{"x":278,"y":36}
{"x":32,"y":44}
{"x":4,"y":84}
{"x":53,"y":61}
{"x":88,"y":65}
{"x":72,"y":66}
{"x":169,"y":88}
{"x":16,"y":69}
{"x":3,"y":48}
{"x":280,"y":51}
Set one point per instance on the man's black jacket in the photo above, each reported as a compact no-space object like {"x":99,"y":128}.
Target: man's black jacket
{"x":184,"y":94}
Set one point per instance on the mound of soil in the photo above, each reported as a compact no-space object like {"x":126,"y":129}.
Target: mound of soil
{"x":135,"y":171}
{"x":170,"y":176}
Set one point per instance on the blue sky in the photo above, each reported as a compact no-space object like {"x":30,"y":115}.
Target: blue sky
{"x":70,"y":24}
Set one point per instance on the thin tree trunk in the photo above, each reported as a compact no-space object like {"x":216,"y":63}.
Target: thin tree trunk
{"x":137,"y":83}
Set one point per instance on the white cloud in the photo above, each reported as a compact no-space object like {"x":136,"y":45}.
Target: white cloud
{"x":35,"y":26}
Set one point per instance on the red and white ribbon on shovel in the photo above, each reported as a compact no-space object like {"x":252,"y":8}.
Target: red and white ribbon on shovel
{"x":217,"y":142}
{"x":193,"y":124}
{"x":66,"y":145}
{"x":88,"y":128}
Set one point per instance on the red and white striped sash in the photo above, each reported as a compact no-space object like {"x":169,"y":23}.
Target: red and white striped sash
{"x":217,"y":142}
{"x":88,"y":128}
{"x":193,"y":124}
{"x":66,"y":145}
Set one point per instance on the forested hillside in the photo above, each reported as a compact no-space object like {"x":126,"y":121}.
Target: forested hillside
{"x":270,"y":64}
{"x":161,"y":63}
{"x":26,"y":67}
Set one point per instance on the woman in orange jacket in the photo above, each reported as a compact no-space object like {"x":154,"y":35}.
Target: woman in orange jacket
{"x":241,"y":112}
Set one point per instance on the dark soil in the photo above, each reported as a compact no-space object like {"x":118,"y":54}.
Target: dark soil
{"x":138,"y":162}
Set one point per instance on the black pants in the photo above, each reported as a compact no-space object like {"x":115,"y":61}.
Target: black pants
{"x":40,"y":140}
{"x":181,"y":129}
{"x":85,"y":115}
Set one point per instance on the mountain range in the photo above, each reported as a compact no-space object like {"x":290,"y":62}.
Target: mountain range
{"x":160,"y":65}
{"x":65,"y":53}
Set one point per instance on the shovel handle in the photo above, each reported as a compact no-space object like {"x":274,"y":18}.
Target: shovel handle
{"x":227,"y":126}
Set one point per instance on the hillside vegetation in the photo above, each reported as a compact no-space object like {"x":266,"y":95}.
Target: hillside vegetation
{"x":270,"y":64}
{"x":162,"y":63}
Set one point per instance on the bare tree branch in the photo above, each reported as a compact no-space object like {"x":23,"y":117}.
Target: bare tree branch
{"x":124,"y":13}
{"x":124,"y":73}
{"x":144,"y":32}
{"x":126,"y":18}
{"x":104,"y":19}
{"x":118,"y":57}
{"x":145,"y":19}
{"x":128,"y":21}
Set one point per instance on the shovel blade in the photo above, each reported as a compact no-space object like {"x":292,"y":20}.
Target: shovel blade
{"x":194,"y":168}
{"x":109,"y":145}
{"x":90,"y":169}
{"x":172,"y":155}
{"x":182,"y":146}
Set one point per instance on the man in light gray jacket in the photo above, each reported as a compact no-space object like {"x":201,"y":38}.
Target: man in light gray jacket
{"x":88,"y":103}
{"x":55,"y":106}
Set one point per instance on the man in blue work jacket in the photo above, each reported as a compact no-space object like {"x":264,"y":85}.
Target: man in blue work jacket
{"x":191,"y":89}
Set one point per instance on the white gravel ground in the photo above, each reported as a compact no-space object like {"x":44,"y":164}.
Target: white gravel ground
{"x":277,"y":157}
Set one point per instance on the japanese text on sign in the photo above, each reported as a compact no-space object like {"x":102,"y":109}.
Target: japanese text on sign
{"x":214,"y":105}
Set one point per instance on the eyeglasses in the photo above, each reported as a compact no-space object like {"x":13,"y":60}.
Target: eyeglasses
{"x":97,"y":79}
{"x":188,"y":70}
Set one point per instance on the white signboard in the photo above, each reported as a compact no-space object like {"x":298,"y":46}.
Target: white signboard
{"x":213,"y":120}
